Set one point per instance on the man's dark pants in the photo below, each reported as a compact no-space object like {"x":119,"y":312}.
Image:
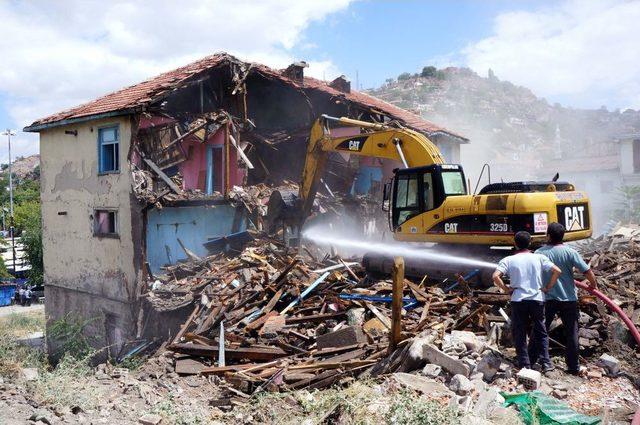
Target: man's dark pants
{"x":568,"y":312}
{"x":523,"y":314}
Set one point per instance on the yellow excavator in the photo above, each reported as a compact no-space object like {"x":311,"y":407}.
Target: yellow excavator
{"x":428,"y":199}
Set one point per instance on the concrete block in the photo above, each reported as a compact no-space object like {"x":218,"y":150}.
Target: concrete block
{"x":30,"y":374}
{"x":460,"y":385}
{"x":479,"y":385}
{"x":471,"y":341}
{"x":431,"y":370}
{"x":610,"y":364}
{"x":471,"y":363}
{"x":454,"y":366}
{"x":488,"y":400}
{"x":415,"y":358}
{"x":150,"y":419}
{"x":355,"y":316}
{"x":188,"y":366}
{"x":530,"y":378}
{"x":489,"y":365}
{"x":422,"y":384}
{"x":463,"y":404}
{"x":349,"y":335}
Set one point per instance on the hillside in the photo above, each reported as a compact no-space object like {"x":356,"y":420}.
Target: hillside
{"x":24,"y":167}
{"x":509,"y":126}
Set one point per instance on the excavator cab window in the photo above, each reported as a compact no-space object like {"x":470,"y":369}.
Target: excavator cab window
{"x":427,"y":191}
{"x":422,"y":189}
{"x":453,"y":183}
{"x":406,"y":202}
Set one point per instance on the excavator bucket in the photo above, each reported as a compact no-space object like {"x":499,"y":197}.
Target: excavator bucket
{"x":284,"y":212}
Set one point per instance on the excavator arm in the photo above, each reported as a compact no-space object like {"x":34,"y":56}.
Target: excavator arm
{"x":411,"y":148}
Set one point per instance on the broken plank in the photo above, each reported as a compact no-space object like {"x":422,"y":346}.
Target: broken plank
{"x":333,"y":365}
{"x":184,"y":327}
{"x":162,"y":175}
{"x":249,"y":353}
{"x":314,"y":317}
{"x":384,"y":319}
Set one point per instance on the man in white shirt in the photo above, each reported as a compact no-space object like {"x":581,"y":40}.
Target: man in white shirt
{"x":525,"y":270}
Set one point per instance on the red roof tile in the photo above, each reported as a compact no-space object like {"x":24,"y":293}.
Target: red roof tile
{"x":136,"y":97}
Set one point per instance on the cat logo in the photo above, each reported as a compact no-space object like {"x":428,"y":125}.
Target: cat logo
{"x":354,"y":145}
{"x":451,"y":227}
{"x":574,"y":218}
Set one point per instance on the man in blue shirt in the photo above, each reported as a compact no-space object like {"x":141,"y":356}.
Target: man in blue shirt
{"x":562,"y":299}
{"x":527,"y":287}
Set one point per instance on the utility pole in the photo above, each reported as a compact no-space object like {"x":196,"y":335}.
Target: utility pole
{"x":10,"y":133}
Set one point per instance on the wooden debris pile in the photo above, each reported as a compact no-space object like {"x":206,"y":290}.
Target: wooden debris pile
{"x":615,"y":260}
{"x":271,"y":318}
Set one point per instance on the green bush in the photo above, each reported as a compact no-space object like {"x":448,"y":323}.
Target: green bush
{"x":70,"y":337}
{"x":28,"y":221}
{"x":404,"y":76}
{"x":429,"y":72}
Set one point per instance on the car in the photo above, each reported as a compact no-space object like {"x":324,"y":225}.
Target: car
{"x":37,"y":292}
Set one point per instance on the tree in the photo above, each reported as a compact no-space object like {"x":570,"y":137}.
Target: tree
{"x":404,"y":76}
{"x":628,"y":210}
{"x":27,"y":218}
{"x":428,"y":72}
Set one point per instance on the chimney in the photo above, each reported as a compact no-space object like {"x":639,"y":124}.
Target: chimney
{"x":295,"y":71}
{"x":341,"y":84}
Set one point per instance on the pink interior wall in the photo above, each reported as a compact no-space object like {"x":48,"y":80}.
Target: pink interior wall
{"x":196,"y":164}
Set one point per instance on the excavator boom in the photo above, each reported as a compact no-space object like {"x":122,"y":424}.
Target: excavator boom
{"x":429,"y":199}
{"x":411,"y":148}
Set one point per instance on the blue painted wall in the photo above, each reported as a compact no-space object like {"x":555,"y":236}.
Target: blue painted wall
{"x":192,"y":225}
{"x":364,"y":177}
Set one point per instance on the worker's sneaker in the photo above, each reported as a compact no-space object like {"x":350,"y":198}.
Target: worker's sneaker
{"x":579,"y":372}
{"x":548,"y":368}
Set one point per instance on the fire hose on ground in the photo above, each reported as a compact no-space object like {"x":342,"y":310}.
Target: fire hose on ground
{"x":625,"y":319}
{"x":613,"y":306}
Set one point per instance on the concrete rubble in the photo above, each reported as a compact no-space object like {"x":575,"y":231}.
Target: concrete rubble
{"x":291,"y":321}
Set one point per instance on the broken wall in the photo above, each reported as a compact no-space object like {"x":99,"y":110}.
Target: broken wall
{"x":209,"y":158}
{"x":88,"y":276}
{"x":191,"y":225}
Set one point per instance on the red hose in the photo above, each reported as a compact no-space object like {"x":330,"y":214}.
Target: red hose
{"x":632,"y":328}
{"x":625,"y":319}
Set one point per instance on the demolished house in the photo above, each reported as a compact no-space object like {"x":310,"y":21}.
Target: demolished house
{"x":164,"y":171}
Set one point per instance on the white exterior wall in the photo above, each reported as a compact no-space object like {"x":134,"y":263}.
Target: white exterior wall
{"x":91,"y":277}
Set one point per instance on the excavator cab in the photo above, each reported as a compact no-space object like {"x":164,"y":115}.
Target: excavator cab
{"x":414,"y":191}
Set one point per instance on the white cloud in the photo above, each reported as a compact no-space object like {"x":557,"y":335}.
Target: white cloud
{"x":56,"y":55}
{"x":585,"y":53}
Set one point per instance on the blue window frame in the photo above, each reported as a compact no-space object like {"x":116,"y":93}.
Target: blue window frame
{"x":109,"y":149}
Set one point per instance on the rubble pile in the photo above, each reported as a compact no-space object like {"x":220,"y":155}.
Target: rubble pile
{"x":294,"y":319}
{"x":614,"y":258}
{"x":265,"y":317}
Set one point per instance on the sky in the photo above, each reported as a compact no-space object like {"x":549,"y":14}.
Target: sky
{"x":56,"y":55}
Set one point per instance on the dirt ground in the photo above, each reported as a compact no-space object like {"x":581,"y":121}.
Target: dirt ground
{"x":74,"y":393}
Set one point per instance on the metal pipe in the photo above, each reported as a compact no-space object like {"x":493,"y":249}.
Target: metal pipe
{"x":305,"y":293}
{"x":399,"y":148}
{"x":613,"y":306}
{"x":365,"y":124}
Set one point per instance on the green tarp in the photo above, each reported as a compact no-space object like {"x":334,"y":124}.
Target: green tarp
{"x":538,"y":408}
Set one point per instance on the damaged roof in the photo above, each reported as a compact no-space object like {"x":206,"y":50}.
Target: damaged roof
{"x":138,"y":97}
